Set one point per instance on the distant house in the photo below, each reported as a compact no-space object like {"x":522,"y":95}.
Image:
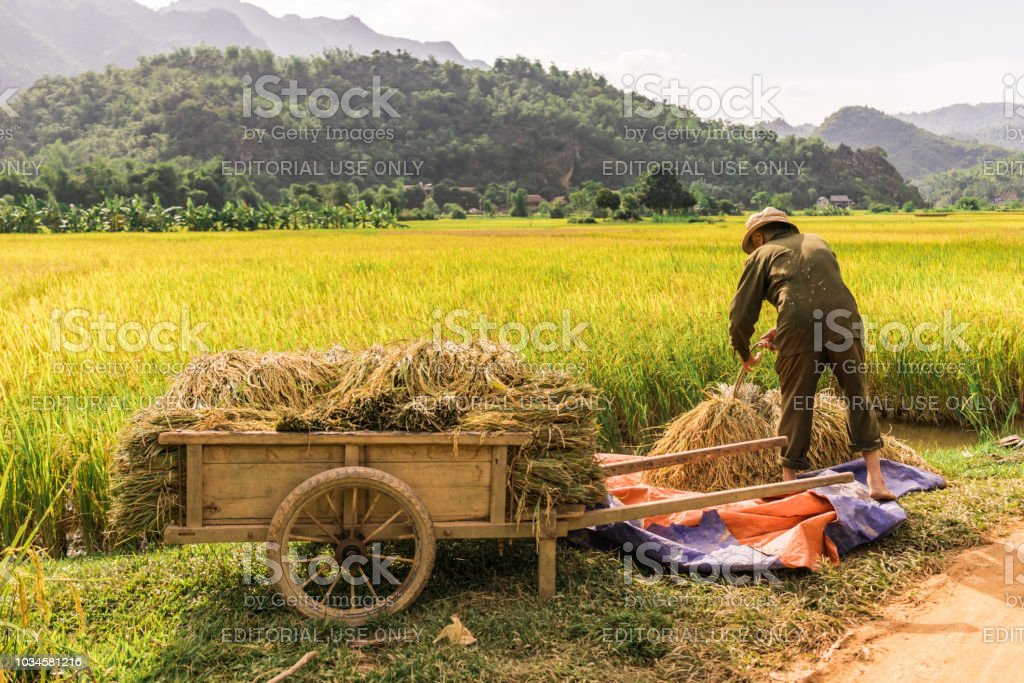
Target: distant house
{"x":1008,"y":197}
{"x":533,"y":201}
{"x":823,"y":203}
{"x":840,"y":201}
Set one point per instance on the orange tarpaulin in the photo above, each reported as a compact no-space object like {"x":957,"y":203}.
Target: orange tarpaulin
{"x":792,"y":528}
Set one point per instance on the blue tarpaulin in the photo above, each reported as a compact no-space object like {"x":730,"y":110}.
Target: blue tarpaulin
{"x":791,"y":531}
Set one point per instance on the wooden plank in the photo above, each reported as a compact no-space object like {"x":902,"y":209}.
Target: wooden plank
{"x":177,"y":438}
{"x":335,"y":454}
{"x":178,"y":535}
{"x":547,"y":549}
{"x":353,"y":455}
{"x":664,"y":507}
{"x":350,"y":503}
{"x":254,"y":491}
{"x":443,"y":504}
{"x":378,"y":455}
{"x":194,"y":488}
{"x":440,"y":474}
{"x":499,"y":463}
{"x":670,"y":459}
{"x":468,"y":530}
{"x":328,"y":456}
{"x":243,"y":490}
{"x":253,"y":531}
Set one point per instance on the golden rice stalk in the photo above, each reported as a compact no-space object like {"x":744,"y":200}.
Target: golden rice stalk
{"x":751,"y":414}
{"x":255,"y":380}
{"x":40,"y":582}
{"x":146,"y":489}
{"x":79,"y":610}
{"x":716,"y":421}
{"x":23,"y":610}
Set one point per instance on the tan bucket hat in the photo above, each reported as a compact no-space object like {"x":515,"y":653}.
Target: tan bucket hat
{"x":761,"y":219}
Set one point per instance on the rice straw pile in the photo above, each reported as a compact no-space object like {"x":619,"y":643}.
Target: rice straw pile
{"x":754,"y":414}
{"x":414,"y":386}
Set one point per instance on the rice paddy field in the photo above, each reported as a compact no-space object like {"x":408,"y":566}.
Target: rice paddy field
{"x":92,"y":326}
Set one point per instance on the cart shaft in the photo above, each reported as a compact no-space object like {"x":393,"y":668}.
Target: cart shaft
{"x":663,"y":507}
{"x":697,"y":455}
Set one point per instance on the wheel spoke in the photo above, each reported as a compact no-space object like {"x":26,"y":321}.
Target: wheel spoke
{"x":300,"y":560}
{"x":354,"y":512}
{"x":330,"y":589}
{"x":393,"y":558}
{"x":369,"y":583}
{"x":384,"y":525}
{"x":369,"y":510}
{"x":308,"y":539}
{"x":331,"y":536}
{"x":308,"y":581}
{"x":336,"y":511}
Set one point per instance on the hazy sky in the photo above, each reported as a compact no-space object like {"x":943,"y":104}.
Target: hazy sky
{"x":820,"y":54}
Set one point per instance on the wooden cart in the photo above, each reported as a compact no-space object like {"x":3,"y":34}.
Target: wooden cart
{"x":351,"y":520}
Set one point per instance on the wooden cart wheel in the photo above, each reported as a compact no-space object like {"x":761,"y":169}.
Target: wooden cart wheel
{"x":350,"y":543}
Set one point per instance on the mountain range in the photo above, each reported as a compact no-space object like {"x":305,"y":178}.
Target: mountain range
{"x":986,"y":123}
{"x":67,"y":37}
{"x":298,"y":36}
{"x":914,"y":151}
{"x":947,"y":153}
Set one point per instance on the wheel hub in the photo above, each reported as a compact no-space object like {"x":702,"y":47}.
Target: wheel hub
{"x":349,"y":547}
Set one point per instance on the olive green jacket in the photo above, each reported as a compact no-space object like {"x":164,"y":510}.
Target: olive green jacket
{"x":799,"y":275}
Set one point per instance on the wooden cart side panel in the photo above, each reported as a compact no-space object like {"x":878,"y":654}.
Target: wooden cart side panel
{"x":244,"y":484}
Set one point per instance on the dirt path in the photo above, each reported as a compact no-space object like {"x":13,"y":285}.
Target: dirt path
{"x":963,"y":626}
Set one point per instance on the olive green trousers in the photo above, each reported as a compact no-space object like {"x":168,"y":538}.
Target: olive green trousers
{"x":798,"y":381}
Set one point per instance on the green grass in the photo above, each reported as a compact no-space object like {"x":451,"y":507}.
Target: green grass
{"x":180,"y":613}
{"x":985,"y":461}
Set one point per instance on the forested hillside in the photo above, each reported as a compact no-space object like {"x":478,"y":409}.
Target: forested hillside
{"x":914,"y":152}
{"x":167,"y":127}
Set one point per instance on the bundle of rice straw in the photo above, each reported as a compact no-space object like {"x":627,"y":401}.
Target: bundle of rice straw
{"x":720,"y":419}
{"x":414,"y":386}
{"x":754,"y":414}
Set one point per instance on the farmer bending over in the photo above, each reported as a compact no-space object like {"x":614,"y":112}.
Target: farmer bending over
{"x":818,"y":327}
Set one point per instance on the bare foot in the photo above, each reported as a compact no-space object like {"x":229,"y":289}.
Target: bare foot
{"x":876,"y":480}
{"x":882,"y":494}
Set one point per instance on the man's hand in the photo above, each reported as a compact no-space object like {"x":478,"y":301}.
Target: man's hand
{"x":751,"y":363}
{"x":768,"y":339}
